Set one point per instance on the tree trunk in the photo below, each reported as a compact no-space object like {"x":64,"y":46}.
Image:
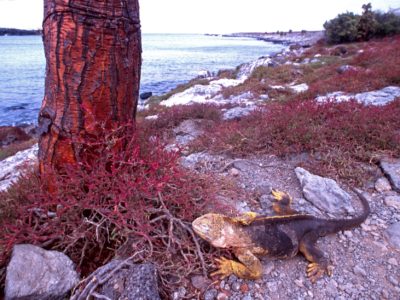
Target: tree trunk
{"x":93,"y":59}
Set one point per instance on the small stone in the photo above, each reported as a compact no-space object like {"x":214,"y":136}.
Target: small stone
{"x":272,"y":286}
{"x":210,"y":294}
{"x":359,"y":271}
{"x":247,"y":297}
{"x":222,"y":296}
{"x":200,"y":282}
{"x":236,"y":287}
{"x":382,"y":185}
{"x":299,"y":283}
{"x":393,"y":281}
{"x":385,"y":294}
{"x":348,"y":234}
{"x":393,"y":235}
{"x":393,"y":201}
{"x":393,"y":261}
{"x":234,"y":172}
{"x":244,"y":288}
{"x":269,"y":268}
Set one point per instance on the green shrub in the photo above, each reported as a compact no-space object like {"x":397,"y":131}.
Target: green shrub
{"x":388,"y":24}
{"x":342,"y":29}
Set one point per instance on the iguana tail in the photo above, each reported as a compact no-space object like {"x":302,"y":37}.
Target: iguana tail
{"x":347,"y":224}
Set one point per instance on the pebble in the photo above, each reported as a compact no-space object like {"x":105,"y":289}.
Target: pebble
{"x":236,"y":287}
{"x":359,"y":271}
{"x":393,"y":281}
{"x":247,"y":297}
{"x":222,"y":296}
{"x":348,"y":234}
{"x":383,"y":185}
{"x":234,"y":172}
{"x":299,"y":283}
{"x":393,"y":261}
{"x":393,"y":201}
{"x":200,"y":282}
{"x":210,"y":294}
{"x":269,"y":268}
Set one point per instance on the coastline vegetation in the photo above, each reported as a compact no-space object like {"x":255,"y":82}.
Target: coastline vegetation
{"x":141,"y":199}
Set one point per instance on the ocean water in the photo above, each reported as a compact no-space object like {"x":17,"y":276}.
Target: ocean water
{"x":168,"y":60}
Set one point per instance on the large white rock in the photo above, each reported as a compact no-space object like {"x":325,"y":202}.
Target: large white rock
{"x":10,"y":167}
{"x":201,"y":93}
{"x":36,"y":274}
{"x":324,"y":193}
{"x":248,"y":68}
{"x":377,"y":98}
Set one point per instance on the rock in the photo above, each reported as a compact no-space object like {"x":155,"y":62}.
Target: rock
{"x":202,"y":93}
{"x":376,"y":98}
{"x":359,"y":271}
{"x":382,"y":185}
{"x":132,"y":282}
{"x":146,"y":95}
{"x":188,"y":130}
{"x":151,"y":118}
{"x":237,"y":113}
{"x":179,"y":294}
{"x":392,"y":234}
{"x":339,"y":51}
{"x":391,"y":167}
{"x":234,"y":172}
{"x":324,"y":193}
{"x":300,"y":88}
{"x":10,"y":168}
{"x":269,"y":268}
{"x":200,"y":282}
{"x":34,"y":273}
{"x":345,"y":68}
{"x":222,"y":296}
{"x":204,"y":74}
{"x":11,"y":134}
{"x":393,"y":261}
{"x":393,"y":201}
{"x":247,"y":69}
{"x":210,"y":294}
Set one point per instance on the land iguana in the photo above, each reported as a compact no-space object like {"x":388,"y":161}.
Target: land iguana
{"x":281,"y":236}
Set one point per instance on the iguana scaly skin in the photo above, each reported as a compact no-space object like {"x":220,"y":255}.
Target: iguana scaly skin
{"x":281,"y":236}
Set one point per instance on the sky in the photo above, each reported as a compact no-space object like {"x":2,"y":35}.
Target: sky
{"x":211,"y":16}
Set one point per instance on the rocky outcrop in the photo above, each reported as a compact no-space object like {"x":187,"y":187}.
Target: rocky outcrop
{"x":324,"y":193}
{"x":10,"y":168}
{"x":11,"y":134}
{"x":236,"y":113}
{"x":37,"y":274}
{"x":201,"y":93}
{"x":377,"y":98}
{"x":246,"y":69}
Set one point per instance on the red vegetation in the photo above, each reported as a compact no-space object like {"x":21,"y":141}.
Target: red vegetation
{"x":337,"y":134}
{"x":133,"y":201}
{"x":377,"y":66}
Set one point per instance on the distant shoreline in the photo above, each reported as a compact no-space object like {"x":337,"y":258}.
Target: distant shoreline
{"x":19,"y":32}
{"x":303,"y":38}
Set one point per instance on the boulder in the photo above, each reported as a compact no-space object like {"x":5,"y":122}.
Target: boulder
{"x":146,"y":95}
{"x":245,"y":70}
{"x":345,"y":68}
{"x":324,"y":193}
{"x":10,"y":168}
{"x":132,"y":282}
{"x":299,"y":88}
{"x":391,"y":167}
{"x":34,"y":273}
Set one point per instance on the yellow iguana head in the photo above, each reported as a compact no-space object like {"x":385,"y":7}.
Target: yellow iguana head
{"x":215,"y":229}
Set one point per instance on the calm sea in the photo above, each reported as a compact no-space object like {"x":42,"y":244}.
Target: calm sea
{"x":168,"y":60}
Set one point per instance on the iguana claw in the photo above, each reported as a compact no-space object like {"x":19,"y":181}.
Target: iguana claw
{"x":224,"y":267}
{"x":315,"y":271}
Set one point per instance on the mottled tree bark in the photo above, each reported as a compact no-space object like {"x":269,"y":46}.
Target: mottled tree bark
{"x":93,"y":59}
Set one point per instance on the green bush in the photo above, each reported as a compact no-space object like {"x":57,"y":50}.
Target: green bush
{"x":350,"y":27}
{"x":342,"y":29}
{"x":388,"y":24}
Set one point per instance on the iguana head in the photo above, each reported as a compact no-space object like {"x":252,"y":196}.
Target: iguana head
{"x":215,"y":229}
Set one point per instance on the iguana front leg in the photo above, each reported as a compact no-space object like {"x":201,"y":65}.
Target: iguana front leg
{"x":318,"y":262}
{"x":249,"y":266}
{"x":282,"y":203}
